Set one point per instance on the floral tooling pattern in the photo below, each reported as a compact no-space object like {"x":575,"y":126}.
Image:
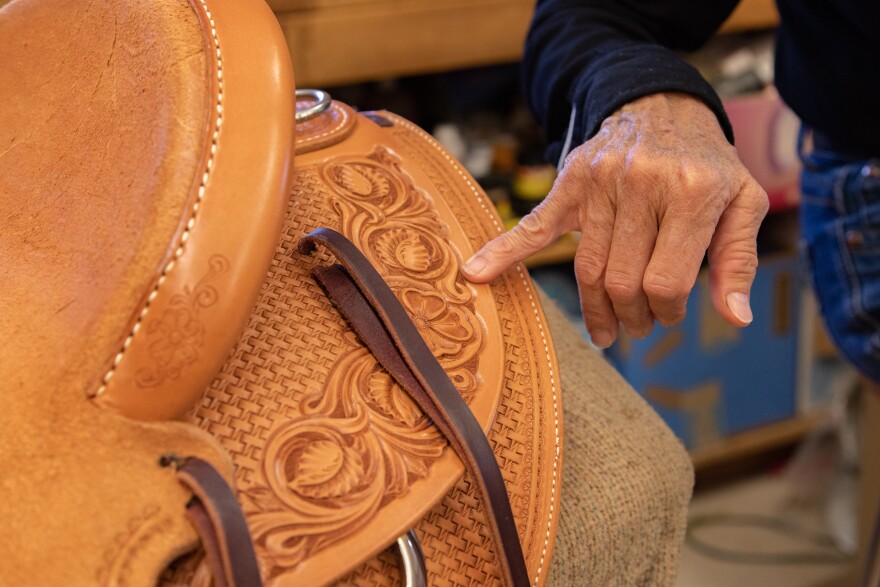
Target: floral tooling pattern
{"x":360,"y":441}
{"x":176,"y":339}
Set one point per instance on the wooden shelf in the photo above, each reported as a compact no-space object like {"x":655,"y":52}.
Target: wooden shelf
{"x":754,"y":442}
{"x":352,"y":41}
{"x":336,"y":42}
{"x":752,"y":15}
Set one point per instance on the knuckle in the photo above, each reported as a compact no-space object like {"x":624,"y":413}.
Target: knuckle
{"x":605,"y":167}
{"x":642,"y":170}
{"x":574,"y":159}
{"x":622,"y":288}
{"x":737,"y":261}
{"x":747,"y":261}
{"x":694,"y":178}
{"x":576,"y":167}
{"x":753,"y":199}
{"x":528,"y":235}
{"x":534,"y":230}
{"x":504,"y":246}
{"x":761,"y":203}
{"x":532,"y":225}
{"x":589,"y":266}
{"x":742,"y":270}
{"x":665,"y":288}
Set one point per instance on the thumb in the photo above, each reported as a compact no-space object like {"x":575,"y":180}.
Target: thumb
{"x":535,"y":231}
{"x":733,"y":255}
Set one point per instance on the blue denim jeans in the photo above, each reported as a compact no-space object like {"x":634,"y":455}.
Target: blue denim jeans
{"x":840,"y":229}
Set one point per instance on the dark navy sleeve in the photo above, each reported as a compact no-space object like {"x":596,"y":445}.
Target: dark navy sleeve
{"x":591,"y":57}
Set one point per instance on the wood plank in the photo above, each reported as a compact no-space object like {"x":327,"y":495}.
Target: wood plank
{"x":752,"y":15}
{"x":384,"y":39}
{"x":345,"y":41}
{"x":755,"y":441}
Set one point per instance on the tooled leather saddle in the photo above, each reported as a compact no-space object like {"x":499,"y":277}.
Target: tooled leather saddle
{"x":233,"y":317}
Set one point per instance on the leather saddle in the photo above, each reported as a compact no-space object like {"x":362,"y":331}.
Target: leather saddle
{"x":227,"y":312}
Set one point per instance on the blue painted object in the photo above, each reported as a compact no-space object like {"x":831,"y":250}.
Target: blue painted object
{"x":709,"y":380}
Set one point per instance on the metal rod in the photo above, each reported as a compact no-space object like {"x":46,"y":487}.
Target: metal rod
{"x":412,"y":559}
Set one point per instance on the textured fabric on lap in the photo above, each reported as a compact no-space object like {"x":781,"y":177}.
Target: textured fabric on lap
{"x":626,"y":480}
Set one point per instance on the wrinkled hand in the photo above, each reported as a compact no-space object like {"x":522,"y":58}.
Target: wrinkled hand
{"x":651,"y":193}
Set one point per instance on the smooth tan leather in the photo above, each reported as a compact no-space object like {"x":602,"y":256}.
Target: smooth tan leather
{"x":333,"y":460}
{"x":106,"y":134}
{"x":204,"y":287}
{"x":326,"y":130}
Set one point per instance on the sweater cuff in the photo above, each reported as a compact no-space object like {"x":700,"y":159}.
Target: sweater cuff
{"x":627,"y":75}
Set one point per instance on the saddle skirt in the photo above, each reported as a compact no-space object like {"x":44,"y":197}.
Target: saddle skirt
{"x":334,"y":461}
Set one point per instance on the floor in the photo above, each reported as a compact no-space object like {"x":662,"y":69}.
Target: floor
{"x":775,"y":498}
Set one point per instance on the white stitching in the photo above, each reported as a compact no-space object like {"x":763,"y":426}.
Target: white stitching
{"x":332,"y":130}
{"x":178,"y":252}
{"x":555,"y":423}
{"x":482,"y":200}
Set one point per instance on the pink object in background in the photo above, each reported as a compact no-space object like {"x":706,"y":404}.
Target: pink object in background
{"x":766,"y":133}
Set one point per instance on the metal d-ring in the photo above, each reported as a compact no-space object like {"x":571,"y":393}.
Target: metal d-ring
{"x":322,"y":102}
{"x":413,"y":562}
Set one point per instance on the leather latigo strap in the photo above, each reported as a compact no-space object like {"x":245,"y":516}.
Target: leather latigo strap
{"x":218,"y":519}
{"x":370,"y":306}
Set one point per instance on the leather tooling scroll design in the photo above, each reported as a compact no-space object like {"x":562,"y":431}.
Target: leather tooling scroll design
{"x":521,"y":461}
{"x":397,"y":228}
{"x":360,"y":441}
{"x":176,"y":338}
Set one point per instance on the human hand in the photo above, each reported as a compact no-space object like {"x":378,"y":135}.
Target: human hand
{"x":657,"y":188}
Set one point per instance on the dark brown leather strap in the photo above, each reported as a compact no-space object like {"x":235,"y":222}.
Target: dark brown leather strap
{"x":218,"y":519}
{"x":370,"y":306}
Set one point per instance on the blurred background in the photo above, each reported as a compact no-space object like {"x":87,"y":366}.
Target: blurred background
{"x":768,"y":413}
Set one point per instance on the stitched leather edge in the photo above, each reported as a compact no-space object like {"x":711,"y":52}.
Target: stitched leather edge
{"x":179,"y":250}
{"x":544,"y":338}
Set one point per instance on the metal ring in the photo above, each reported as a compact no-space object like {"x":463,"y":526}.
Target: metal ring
{"x":412,"y":560}
{"x":322,"y":102}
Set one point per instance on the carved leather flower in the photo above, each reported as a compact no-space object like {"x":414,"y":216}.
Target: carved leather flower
{"x":362,"y":180}
{"x":325,"y":469}
{"x":386,"y":397}
{"x":178,"y":337}
{"x":308,"y":459}
{"x":444,"y":327}
{"x":403,"y":249}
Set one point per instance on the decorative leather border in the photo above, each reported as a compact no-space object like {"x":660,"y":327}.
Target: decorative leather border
{"x":550,"y":356}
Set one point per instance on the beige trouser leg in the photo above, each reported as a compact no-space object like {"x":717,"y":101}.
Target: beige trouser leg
{"x":627,"y":480}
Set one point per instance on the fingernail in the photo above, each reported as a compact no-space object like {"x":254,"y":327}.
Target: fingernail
{"x":601,"y":338}
{"x":738,"y":303}
{"x":474,"y":266}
